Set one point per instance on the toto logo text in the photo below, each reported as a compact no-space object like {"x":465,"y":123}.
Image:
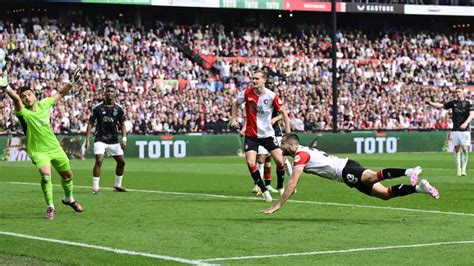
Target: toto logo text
{"x":161,"y":149}
{"x":376,"y":145}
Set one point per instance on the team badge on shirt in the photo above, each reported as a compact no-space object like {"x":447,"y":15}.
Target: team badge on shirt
{"x":297,"y":158}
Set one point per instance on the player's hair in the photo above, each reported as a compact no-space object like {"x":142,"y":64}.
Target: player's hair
{"x":264,"y":74}
{"x":25,"y":88}
{"x":291,"y":138}
{"x":110,"y":85}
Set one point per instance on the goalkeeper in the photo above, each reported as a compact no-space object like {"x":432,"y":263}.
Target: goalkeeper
{"x":42,"y":145}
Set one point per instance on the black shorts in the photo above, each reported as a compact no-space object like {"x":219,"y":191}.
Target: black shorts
{"x":352,"y":175}
{"x":270,"y":143}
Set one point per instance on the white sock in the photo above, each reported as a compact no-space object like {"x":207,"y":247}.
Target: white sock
{"x":457,"y":159}
{"x":69,"y":199}
{"x":289,"y":168}
{"x":118,"y":181}
{"x":52,"y":206}
{"x":464,"y":159}
{"x":95,"y":182}
{"x":260,"y":169}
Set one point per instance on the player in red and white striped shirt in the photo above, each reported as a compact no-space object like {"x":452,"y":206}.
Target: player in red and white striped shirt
{"x":259,"y":103}
{"x":313,"y":161}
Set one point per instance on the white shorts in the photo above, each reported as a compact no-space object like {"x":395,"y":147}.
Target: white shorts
{"x":461,"y":138}
{"x":262,"y":150}
{"x":110,"y":149}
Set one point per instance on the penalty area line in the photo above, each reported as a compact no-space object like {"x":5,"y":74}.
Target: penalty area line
{"x":109,"y":249}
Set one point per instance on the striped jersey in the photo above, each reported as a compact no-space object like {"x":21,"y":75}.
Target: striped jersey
{"x":259,"y":109}
{"x":320,"y":163}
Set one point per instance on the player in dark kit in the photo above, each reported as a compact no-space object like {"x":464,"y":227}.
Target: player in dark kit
{"x":108,"y":117}
{"x":462,"y":114}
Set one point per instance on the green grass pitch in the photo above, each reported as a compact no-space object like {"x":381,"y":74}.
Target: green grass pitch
{"x":201,"y":211}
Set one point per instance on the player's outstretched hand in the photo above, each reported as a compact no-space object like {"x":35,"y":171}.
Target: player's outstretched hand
{"x":76,"y":75}
{"x":123,"y":144}
{"x":270,"y":210}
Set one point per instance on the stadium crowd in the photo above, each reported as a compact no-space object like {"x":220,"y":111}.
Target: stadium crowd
{"x":383,"y":79}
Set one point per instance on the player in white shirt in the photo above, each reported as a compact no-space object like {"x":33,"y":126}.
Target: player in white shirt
{"x":344,"y":170}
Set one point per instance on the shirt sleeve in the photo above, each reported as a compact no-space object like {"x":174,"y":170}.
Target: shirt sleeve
{"x":93,"y":116}
{"x":448,"y":105}
{"x":301,"y":158}
{"x":121,"y":116}
{"x":241,"y":97}
{"x":277,"y":102}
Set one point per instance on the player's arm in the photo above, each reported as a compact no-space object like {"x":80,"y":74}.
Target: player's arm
{"x":13,"y":95}
{"x":277,"y":118}
{"x":90,"y":125}
{"x":468,"y":120}
{"x":233,"y":120}
{"x":434,"y":104}
{"x":124,"y":135}
{"x":289,"y":190}
{"x":286,"y":120}
{"x":66,"y":89}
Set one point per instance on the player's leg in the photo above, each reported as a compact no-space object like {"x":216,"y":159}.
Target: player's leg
{"x":261,"y":153}
{"x":119,"y":169}
{"x":43,"y":163}
{"x":280,"y":165}
{"x":465,"y":143}
{"x":464,"y":159}
{"x":251,"y":148}
{"x":60,"y":162}
{"x":456,"y":139}
{"x":382,"y":192}
{"x":267,"y":174}
{"x":390,"y":173}
{"x":116,"y":151}
{"x":99,"y":152}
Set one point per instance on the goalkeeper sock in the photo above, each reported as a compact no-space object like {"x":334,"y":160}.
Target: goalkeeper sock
{"x":68,"y":188}
{"x":47,"y":187}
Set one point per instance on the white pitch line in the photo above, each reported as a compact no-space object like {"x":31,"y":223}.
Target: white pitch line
{"x":339,"y":251}
{"x":114,"y":250}
{"x":293,"y":201}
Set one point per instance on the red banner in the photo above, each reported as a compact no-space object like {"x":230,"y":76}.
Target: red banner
{"x":305,"y":5}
